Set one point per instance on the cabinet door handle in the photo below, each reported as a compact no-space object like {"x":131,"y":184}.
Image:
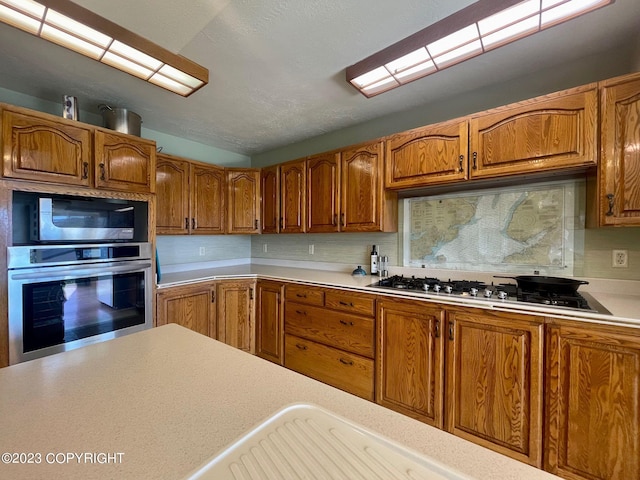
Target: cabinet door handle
{"x":301,"y":312}
{"x":213,"y":297}
{"x":85,"y":169}
{"x":610,"y":198}
{"x":342,"y":219}
{"x":102,"y":172}
{"x":335,"y":219}
{"x":193,"y":223}
{"x":301,"y":347}
{"x":281,"y":222}
{"x":348,"y":324}
{"x":346,"y":304}
{"x":186,"y":223}
{"x":255,"y":224}
{"x":475,"y":160}
{"x":451,"y":331}
{"x":346,"y":362}
{"x":437,"y":333}
{"x":461,"y":160}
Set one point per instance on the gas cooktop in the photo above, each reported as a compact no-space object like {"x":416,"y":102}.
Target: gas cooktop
{"x":502,"y":292}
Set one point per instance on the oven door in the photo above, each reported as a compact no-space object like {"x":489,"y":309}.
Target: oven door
{"x":53,"y":309}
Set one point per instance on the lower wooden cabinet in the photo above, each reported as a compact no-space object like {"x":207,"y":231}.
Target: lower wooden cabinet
{"x":270,"y":321}
{"x":192,"y":306}
{"x":409,"y":361}
{"x":592,"y":401}
{"x":494,"y":379}
{"x":236,"y":325}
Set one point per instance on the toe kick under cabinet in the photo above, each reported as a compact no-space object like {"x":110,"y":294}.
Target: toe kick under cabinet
{"x":329,"y":336}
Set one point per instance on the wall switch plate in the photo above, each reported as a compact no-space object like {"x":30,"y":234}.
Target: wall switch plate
{"x":202,"y":251}
{"x":312,"y":249}
{"x":620,"y":259}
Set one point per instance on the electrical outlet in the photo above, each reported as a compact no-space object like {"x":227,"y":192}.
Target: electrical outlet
{"x":202,"y":251}
{"x":312,"y":249}
{"x":264,"y":248}
{"x":620,"y":259}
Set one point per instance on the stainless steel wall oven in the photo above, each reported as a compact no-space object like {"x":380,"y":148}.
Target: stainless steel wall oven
{"x":63,"y":297}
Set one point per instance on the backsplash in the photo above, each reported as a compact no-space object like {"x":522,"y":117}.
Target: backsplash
{"x":181,"y":249}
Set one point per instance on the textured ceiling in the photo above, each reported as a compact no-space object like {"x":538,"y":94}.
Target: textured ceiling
{"x":277,"y":66}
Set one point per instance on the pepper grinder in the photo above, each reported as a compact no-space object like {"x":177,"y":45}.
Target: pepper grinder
{"x":382,"y":266}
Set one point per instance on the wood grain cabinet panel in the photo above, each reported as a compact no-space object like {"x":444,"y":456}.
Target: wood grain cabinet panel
{"x":293,"y":191}
{"x":124,"y":162}
{"x":593,"y":402}
{"x":551,"y":132}
{"x":207,"y":199}
{"x":409,"y":361}
{"x":243,"y":200}
{"x":323,"y":181}
{"x":172,"y":194}
{"x":37,"y":148}
{"x":190,"y":306}
{"x":429,"y":155}
{"x":619,"y":192}
{"x":270,"y":211}
{"x":494,"y":381}
{"x":235,"y":315}
{"x":270,"y":321}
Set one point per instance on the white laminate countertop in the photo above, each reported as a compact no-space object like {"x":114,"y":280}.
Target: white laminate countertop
{"x":159,"y":403}
{"x":620,"y":298}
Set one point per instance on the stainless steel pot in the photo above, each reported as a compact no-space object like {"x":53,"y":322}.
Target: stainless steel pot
{"x":120,"y":119}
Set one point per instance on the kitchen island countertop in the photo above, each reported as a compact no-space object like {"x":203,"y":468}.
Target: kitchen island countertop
{"x":163,"y":401}
{"x":620,"y":298}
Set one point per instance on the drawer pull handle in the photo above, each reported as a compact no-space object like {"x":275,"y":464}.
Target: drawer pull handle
{"x":346,"y":362}
{"x":301,"y":312}
{"x":301,"y":347}
{"x":301,"y":295}
{"x":346,"y":304}
{"x":348,"y":324}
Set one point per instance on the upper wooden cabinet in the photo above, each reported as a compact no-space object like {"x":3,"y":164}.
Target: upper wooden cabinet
{"x":124,"y":162}
{"x":41,"y":147}
{"x":35,"y":147}
{"x":494,"y":365}
{"x":243,"y":200}
{"x":270,"y":185}
{"x":551,"y":132}
{"x":592,"y":401}
{"x":619,"y":179}
{"x":428,"y":155}
{"x":190,"y":197}
{"x":345,"y":192}
{"x":293,"y":190}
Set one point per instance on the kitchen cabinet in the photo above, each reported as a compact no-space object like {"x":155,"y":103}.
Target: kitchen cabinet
{"x":190,"y":197}
{"x":329,"y":336}
{"x":243,"y":200}
{"x":270,"y":321}
{"x":43,"y":148}
{"x":283,"y":197}
{"x":619,"y":182}
{"x":410,"y":359}
{"x":235,"y":314}
{"x":124,"y":162}
{"x":547,"y":133}
{"x":429,"y":155}
{"x":192,"y":306}
{"x":345,"y":191}
{"x":592,"y":401}
{"x":494,"y":379}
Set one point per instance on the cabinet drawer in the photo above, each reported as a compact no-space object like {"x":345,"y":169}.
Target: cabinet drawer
{"x":341,"y":330}
{"x":350,"y":302}
{"x":342,"y":370}
{"x":304,"y":294}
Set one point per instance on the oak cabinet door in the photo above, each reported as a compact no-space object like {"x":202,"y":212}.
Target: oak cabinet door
{"x":35,"y":148}
{"x":236,"y":326}
{"x":124,"y":162}
{"x":323,"y":182}
{"x":593,"y":402}
{"x":243,"y":195}
{"x":270,"y":321}
{"x":270,"y":179}
{"x":494,"y":381}
{"x":551,"y":132}
{"x":207,"y":198}
{"x":619,"y":194}
{"x":429,"y":155}
{"x":409,"y":362}
{"x":293,"y":197}
{"x":190,"y":306}
{"x":172,"y":194}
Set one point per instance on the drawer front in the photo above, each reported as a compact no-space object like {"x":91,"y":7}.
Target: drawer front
{"x":350,"y":302}
{"x":342,"y":330}
{"x":342,"y":370}
{"x":304,"y":294}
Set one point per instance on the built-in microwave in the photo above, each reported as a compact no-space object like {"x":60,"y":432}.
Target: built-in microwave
{"x":71,"y":219}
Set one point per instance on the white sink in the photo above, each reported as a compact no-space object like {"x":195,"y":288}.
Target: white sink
{"x":304,"y":441}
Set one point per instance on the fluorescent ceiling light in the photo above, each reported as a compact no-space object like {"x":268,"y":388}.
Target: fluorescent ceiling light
{"x":478,"y":28}
{"x":71,"y":26}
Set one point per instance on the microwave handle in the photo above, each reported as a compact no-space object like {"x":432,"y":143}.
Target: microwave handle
{"x":47,"y":272}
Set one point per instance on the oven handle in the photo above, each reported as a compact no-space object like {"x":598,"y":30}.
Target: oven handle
{"x":105,"y":268}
